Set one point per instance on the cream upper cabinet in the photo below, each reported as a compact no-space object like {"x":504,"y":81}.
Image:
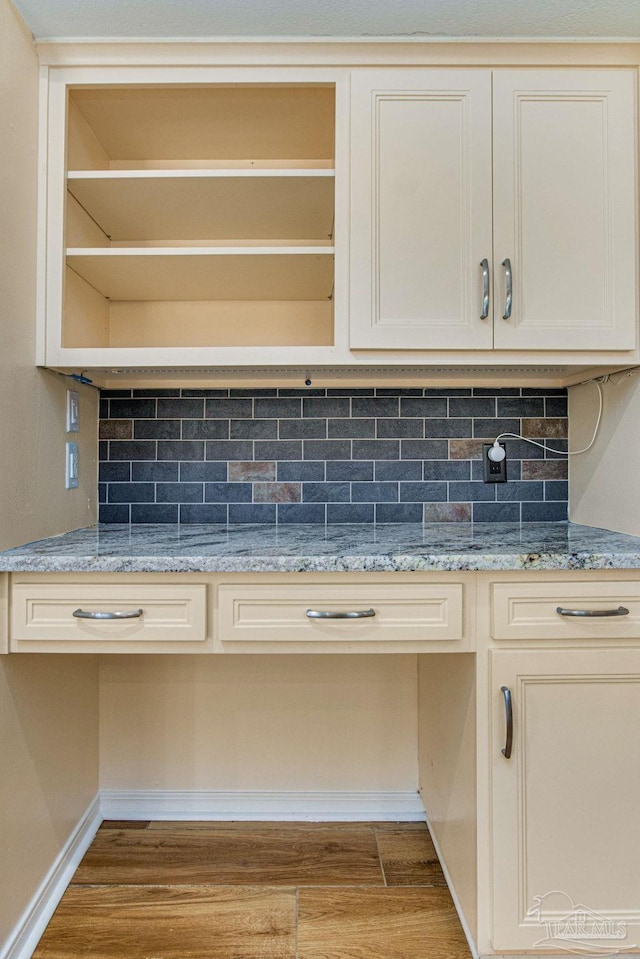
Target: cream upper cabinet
{"x":190,"y":217}
{"x":531,"y":171}
{"x":565,"y":828}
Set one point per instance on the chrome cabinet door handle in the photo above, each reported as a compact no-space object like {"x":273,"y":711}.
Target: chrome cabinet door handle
{"x":347,"y":614}
{"x":508,"y":707}
{"x":485,"y":288}
{"x":620,"y":611}
{"x":89,"y":614}
{"x":508,"y":276}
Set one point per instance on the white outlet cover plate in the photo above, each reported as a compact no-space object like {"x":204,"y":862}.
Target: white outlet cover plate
{"x":71,"y":466}
{"x":73,"y":411}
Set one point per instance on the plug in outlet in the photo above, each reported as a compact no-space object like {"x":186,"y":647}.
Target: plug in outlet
{"x":494,"y":472}
{"x":71,"y":466}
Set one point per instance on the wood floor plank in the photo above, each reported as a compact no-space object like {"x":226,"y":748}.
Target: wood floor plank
{"x":171,"y":923}
{"x":125,"y":824}
{"x":201,"y":825}
{"x":409,"y":858}
{"x":284,"y":856}
{"x":379,"y":924}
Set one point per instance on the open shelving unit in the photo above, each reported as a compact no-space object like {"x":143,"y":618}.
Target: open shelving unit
{"x":199,"y":216}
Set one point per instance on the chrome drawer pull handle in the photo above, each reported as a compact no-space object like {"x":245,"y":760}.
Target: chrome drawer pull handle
{"x":129,"y":614}
{"x":508,"y":707}
{"x":509,"y":283}
{"x":485,"y":288}
{"x":347,"y":614}
{"x":620,"y":611}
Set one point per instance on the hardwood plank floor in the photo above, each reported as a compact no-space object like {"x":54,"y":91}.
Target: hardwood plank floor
{"x":220,"y":890}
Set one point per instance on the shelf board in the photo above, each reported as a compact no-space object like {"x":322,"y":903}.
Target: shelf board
{"x":203,"y":273}
{"x":214,"y":204}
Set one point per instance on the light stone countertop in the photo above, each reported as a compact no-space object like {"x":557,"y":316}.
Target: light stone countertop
{"x":339,"y":548}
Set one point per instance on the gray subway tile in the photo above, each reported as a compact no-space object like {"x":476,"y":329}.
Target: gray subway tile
{"x":278,"y":409}
{"x":114,"y":513}
{"x":446,"y":470}
{"x":132,"y":492}
{"x":544,"y":512}
{"x":156,"y":392}
{"x":222,"y":392}
{"x":423,"y":406}
{"x":215,"y":472}
{"x":556,"y":490}
{"x":261,"y":513}
{"x":179,"y":493}
{"x":398,"y":470}
{"x":423,"y":492}
{"x":375,"y":406}
{"x":399,"y":391}
{"x":424,"y":449}
{"x":351,"y":429}
{"x":328,"y":450}
{"x":205,"y":429}
{"x":350,"y":470}
{"x":472,"y":406}
{"x":351,"y":391}
{"x":130,"y":409}
{"x":154,"y":513}
{"x":254,"y":429}
{"x":329,"y":406}
{"x":108,"y":394}
{"x":544,"y":391}
{"x":180,"y":450}
{"x":518,"y":491}
{"x":399,"y":427}
{"x":326,"y":492}
{"x":302,"y":429}
{"x":224,"y":409}
{"x":301,"y":391}
{"x":132,"y":450}
{"x":156,"y":429}
{"x":350,"y":512}
{"x":496,"y":391}
{"x":496,"y":512}
{"x":300,"y":470}
{"x":115,"y":472}
{"x":301,"y":513}
{"x":227,"y":493}
{"x":446,"y":428}
{"x":374,"y":492}
{"x":203,"y":513}
{"x":102,"y":492}
{"x":398,"y":512}
{"x":556,"y":406}
{"x":253,"y":391}
{"x":154,"y":472}
{"x":376,"y":449}
{"x":116,"y":429}
{"x":521,"y":406}
{"x":490,"y":428}
{"x":181,"y":409}
{"x":470,"y":492}
{"x":229,"y":450}
{"x":278,"y":449}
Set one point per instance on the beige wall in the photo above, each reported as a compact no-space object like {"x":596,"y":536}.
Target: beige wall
{"x":259,"y":722}
{"x":604,"y":484}
{"x":48,"y":705}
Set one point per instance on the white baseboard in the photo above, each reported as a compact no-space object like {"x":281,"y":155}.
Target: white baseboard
{"x":280,"y":806}
{"x":29,"y":929}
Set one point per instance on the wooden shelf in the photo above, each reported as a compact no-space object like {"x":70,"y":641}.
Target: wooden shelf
{"x":205,"y":273}
{"x":129,"y":125}
{"x":207,"y":204}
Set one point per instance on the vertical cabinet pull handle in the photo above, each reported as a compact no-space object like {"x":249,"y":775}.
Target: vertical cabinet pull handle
{"x":508,"y":708}
{"x":508,"y":276}
{"x":485,"y":288}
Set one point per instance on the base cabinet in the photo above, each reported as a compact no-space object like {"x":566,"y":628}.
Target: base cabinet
{"x":565,"y":824}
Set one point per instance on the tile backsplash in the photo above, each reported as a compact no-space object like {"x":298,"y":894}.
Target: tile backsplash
{"x":328,"y":455}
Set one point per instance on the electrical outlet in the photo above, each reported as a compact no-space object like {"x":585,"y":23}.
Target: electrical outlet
{"x":494,"y":472}
{"x":73,"y":411}
{"x":71,"y":466}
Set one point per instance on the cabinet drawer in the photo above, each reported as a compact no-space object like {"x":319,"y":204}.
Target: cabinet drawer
{"x":529,"y":610}
{"x":172,"y":617}
{"x":408,"y":615}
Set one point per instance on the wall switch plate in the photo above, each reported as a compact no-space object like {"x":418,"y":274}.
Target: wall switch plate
{"x":73,"y":411}
{"x":71,"y":466}
{"x":494,"y":472}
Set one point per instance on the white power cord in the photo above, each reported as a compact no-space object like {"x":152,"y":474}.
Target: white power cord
{"x":497,"y":454}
